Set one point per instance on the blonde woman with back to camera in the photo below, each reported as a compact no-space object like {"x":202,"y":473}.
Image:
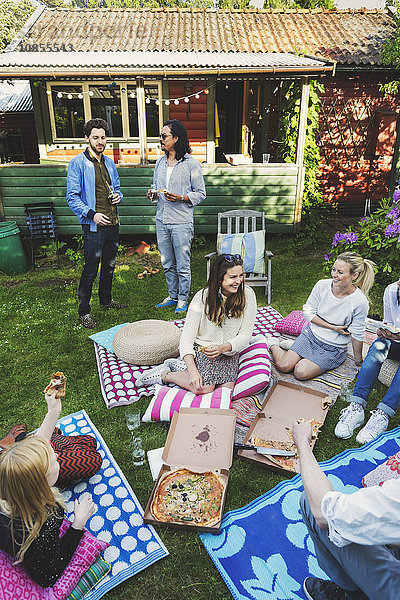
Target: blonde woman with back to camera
{"x":336,"y":310}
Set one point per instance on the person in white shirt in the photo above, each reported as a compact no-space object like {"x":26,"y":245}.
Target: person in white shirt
{"x":218,"y":326}
{"x":385,"y":346}
{"x":336,"y":310}
{"x":350,"y":533}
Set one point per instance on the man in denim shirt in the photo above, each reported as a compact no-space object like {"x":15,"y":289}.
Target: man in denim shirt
{"x":180,"y":186}
{"x":93,"y":192}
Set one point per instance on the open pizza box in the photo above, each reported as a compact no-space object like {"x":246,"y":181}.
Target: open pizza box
{"x":285,"y":403}
{"x":200,"y":440}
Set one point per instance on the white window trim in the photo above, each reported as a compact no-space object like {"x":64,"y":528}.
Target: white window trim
{"x":88,"y":111}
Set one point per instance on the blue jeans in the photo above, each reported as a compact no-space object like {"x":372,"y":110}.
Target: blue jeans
{"x":174,"y":243}
{"x":373,"y":569}
{"x":101,"y":244}
{"x":368,"y":375}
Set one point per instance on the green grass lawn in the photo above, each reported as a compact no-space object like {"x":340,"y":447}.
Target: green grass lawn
{"x":39,"y":333}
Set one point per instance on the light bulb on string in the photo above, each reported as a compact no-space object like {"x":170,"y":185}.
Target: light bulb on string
{"x":91,"y":93}
{"x":167,"y":103}
{"x":59,"y":94}
{"x":176,"y":102}
{"x":157,"y":102}
{"x":186,"y":99}
{"x":197,"y":96}
{"x":147,"y":100}
{"x":80,"y":96}
{"x":48,"y":92}
{"x":132,"y":95}
{"x":206,"y":91}
{"x":69,"y":96}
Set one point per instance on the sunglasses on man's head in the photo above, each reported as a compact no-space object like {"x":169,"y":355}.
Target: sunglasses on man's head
{"x":231,"y":258}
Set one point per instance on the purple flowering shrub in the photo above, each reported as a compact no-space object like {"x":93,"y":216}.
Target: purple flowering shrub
{"x":376,"y":237}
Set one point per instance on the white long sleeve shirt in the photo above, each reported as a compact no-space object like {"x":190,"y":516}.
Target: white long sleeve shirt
{"x":370,"y":516}
{"x":391,"y":306}
{"x":200,"y":330}
{"x":349,"y":311}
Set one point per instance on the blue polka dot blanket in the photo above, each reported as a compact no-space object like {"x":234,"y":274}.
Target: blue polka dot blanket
{"x":263,"y":551}
{"x":119,"y":516}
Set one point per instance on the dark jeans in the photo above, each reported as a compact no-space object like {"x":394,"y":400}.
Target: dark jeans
{"x":101,"y":244}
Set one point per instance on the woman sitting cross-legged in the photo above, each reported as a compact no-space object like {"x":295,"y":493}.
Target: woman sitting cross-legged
{"x":31,"y":511}
{"x":336,"y":310}
{"x":218,"y":326}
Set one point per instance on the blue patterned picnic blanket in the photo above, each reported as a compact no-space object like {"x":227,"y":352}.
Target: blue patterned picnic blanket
{"x":118,"y":519}
{"x":263,"y":551}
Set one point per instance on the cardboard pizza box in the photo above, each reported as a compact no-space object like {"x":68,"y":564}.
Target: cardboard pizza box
{"x":200,"y":440}
{"x":284,"y":403}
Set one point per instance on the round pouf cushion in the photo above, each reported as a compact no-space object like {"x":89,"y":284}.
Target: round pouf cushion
{"x":147,"y":342}
{"x":388,"y":371}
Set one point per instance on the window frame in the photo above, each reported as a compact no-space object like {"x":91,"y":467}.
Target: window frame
{"x":87,"y":108}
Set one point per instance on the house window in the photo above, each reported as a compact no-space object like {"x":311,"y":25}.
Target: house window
{"x":68,"y":111}
{"x":105,"y":103}
{"x":72,"y":104}
{"x":133,"y":111}
{"x":152,"y":110}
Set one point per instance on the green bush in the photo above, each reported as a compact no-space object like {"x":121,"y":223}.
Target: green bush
{"x":376,"y":237}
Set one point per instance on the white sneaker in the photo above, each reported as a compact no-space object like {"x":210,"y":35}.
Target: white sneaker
{"x":350,"y":418}
{"x":377,"y":424}
{"x":175,"y":364}
{"x":286,"y":344}
{"x":151,"y":376}
{"x":271,"y":340}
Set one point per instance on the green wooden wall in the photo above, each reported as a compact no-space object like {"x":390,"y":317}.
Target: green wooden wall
{"x":270,"y":188}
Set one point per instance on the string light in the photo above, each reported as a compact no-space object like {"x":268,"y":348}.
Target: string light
{"x":148,"y":99}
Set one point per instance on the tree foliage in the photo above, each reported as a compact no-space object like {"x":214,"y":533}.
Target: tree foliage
{"x":390,"y":53}
{"x":13,"y":15}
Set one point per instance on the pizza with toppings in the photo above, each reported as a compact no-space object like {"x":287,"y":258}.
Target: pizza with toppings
{"x":190,"y":498}
{"x":57,"y":383}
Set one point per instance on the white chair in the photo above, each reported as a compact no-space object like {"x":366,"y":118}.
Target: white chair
{"x":241,"y":222}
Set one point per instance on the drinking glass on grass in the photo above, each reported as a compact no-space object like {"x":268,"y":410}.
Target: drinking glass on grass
{"x":132,"y":417}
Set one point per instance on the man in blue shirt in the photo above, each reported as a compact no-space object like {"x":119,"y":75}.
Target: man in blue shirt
{"x":93,"y":193}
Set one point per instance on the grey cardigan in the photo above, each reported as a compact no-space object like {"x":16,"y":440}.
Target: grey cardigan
{"x":186,"y":179}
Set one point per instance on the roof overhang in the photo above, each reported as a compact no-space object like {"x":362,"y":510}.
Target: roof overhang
{"x":120,"y":64}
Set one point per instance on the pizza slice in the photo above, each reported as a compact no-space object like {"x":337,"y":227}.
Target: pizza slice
{"x":57,"y":382}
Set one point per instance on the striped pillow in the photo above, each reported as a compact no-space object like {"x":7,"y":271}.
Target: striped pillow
{"x":254,"y":371}
{"x":168,"y":400}
{"x":250,"y":246}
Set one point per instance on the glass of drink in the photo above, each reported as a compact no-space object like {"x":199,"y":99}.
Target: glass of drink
{"x":138,"y":454}
{"x":132,"y":417}
{"x":153,"y":193}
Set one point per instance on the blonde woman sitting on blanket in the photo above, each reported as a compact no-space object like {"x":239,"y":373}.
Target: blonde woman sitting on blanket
{"x":219,"y":324}
{"x":336,"y":310}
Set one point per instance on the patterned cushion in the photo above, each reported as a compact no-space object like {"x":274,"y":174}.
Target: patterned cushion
{"x":93,"y":575}
{"x":390,"y":469}
{"x":292,"y":324}
{"x":254,"y":371}
{"x":250,"y":246}
{"x":246,"y":409}
{"x":168,"y":400}
{"x":16,"y":583}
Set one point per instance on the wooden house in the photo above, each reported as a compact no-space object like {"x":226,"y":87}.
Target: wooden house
{"x":223,"y":74}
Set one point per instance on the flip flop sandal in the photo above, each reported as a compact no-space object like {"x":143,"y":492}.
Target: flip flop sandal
{"x":141,"y":275}
{"x":154,"y":271}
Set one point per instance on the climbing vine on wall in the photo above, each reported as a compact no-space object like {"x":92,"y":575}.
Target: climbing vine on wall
{"x":313,"y":204}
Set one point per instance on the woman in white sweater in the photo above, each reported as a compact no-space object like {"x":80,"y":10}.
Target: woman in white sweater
{"x":336,"y":311}
{"x":219,"y":324}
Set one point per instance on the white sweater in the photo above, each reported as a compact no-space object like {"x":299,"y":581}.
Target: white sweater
{"x":349,"y":311}
{"x":200,"y":330}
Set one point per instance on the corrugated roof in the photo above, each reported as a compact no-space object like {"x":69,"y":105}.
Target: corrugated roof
{"x":15,"y":97}
{"x":44,"y":62}
{"x":347,"y":36}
